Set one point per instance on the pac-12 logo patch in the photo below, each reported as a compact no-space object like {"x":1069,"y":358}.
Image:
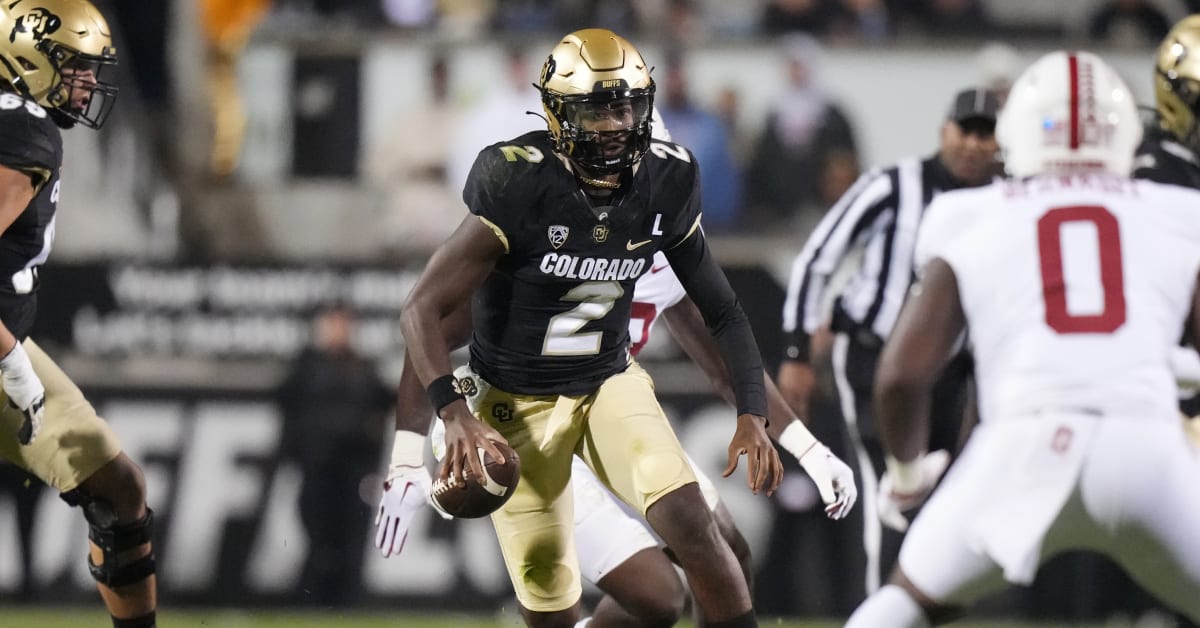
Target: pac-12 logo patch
{"x":558,"y":235}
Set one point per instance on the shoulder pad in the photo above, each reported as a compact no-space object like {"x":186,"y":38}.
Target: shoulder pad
{"x":29,"y":139}
{"x":669,"y":151}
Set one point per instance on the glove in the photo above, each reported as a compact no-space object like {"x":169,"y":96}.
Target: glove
{"x":25,"y":391}
{"x":905,"y":486}
{"x":1185,"y":364}
{"x":404,"y":492}
{"x":833,"y":478}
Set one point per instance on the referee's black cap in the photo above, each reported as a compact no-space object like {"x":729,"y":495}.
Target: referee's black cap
{"x":975,"y":103}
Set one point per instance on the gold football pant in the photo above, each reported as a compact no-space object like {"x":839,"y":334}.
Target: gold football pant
{"x":73,"y":442}
{"x":620,"y":431}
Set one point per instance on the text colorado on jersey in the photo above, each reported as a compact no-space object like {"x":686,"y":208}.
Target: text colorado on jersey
{"x":591,"y":268}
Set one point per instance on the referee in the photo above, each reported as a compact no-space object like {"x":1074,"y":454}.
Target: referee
{"x":877,"y":219}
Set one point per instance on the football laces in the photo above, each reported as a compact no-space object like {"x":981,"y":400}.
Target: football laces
{"x":441,"y":486}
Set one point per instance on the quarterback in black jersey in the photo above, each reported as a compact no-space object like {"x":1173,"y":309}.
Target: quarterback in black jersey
{"x":563,"y":224}
{"x":55,"y":57}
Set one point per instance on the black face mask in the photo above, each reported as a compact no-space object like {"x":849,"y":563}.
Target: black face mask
{"x":102,"y":93}
{"x":605,"y":152}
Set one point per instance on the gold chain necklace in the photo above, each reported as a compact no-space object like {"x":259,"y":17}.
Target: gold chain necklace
{"x":608,"y":185}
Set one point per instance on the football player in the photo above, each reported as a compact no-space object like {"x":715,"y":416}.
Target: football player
{"x":563,"y":223}
{"x":56,"y":63}
{"x":1168,"y":153}
{"x":1079,"y":443}
{"x":616,"y":551}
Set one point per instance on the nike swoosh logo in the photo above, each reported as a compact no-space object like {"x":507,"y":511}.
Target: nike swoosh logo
{"x":656,"y":269}
{"x":631,"y":245}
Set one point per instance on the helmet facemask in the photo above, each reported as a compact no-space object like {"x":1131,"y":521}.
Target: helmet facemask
{"x":603,"y":132}
{"x":1177,"y":82}
{"x":1179,"y":108}
{"x":84,"y":92}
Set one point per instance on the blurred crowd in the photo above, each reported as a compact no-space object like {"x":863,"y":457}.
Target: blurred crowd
{"x":785,"y":170}
{"x":803,"y":158}
{"x":696,"y":21}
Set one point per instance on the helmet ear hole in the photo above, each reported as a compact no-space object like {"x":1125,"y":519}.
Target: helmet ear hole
{"x":26,"y":64}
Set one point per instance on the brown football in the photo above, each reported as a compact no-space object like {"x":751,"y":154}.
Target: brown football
{"x":473,"y":499}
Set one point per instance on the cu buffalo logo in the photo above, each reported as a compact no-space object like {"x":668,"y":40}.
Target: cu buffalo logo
{"x":38,"y":22}
{"x":548,"y":69}
{"x":466,"y":387}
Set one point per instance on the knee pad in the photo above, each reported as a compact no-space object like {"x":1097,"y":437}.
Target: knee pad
{"x":113,"y":540}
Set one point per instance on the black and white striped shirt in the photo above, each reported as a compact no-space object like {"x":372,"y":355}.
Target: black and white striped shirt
{"x":880,"y":214}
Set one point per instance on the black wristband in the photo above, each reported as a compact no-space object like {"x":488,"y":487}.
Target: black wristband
{"x":442,"y":392}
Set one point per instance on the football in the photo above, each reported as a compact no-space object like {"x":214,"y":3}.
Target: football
{"x":473,"y":499}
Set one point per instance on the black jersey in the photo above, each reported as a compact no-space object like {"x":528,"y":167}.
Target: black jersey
{"x":553,"y":317}
{"x":31,"y":143}
{"x":1162,"y":159}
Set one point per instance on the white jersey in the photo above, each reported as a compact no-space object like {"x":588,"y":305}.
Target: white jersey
{"x":1075,"y":289}
{"x":653,"y":293}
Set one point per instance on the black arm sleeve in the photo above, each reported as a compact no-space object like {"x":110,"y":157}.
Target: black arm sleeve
{"x":706,"y":284}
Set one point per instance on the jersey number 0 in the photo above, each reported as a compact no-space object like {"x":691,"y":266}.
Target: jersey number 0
{"x":1112,"y":279}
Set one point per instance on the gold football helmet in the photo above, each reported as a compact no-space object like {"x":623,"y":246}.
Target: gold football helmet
{"x":598,"y":96}
{"x":59,"y":53}
{"x":1177,"y":82}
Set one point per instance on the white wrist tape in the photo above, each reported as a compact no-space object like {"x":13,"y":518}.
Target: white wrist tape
{"x":16,"y":361}
{"x":797,"y":439}
{"x":907,"y":477}
{"x":408,"y":449}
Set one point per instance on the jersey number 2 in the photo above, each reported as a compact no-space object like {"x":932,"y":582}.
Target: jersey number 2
{"x":1112,"y":278}
{"x":595,"y":299}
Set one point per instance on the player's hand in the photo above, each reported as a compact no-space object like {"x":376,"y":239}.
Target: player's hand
{"x":465,"y":436}
{"x":25,"y":391}
{"x":404,"y":493}
{"x":763,"y":467}
{"x":1185,"y":364}
{"x":903,"y":490}
{"x":833,"y":478}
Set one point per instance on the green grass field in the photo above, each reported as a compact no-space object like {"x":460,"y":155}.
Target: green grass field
{"x":241,"y":618}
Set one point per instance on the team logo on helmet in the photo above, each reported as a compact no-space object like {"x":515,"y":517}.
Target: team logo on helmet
{"x":38,"y":22}
{"x":548,"y":69}
{"x":558,"y":235}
